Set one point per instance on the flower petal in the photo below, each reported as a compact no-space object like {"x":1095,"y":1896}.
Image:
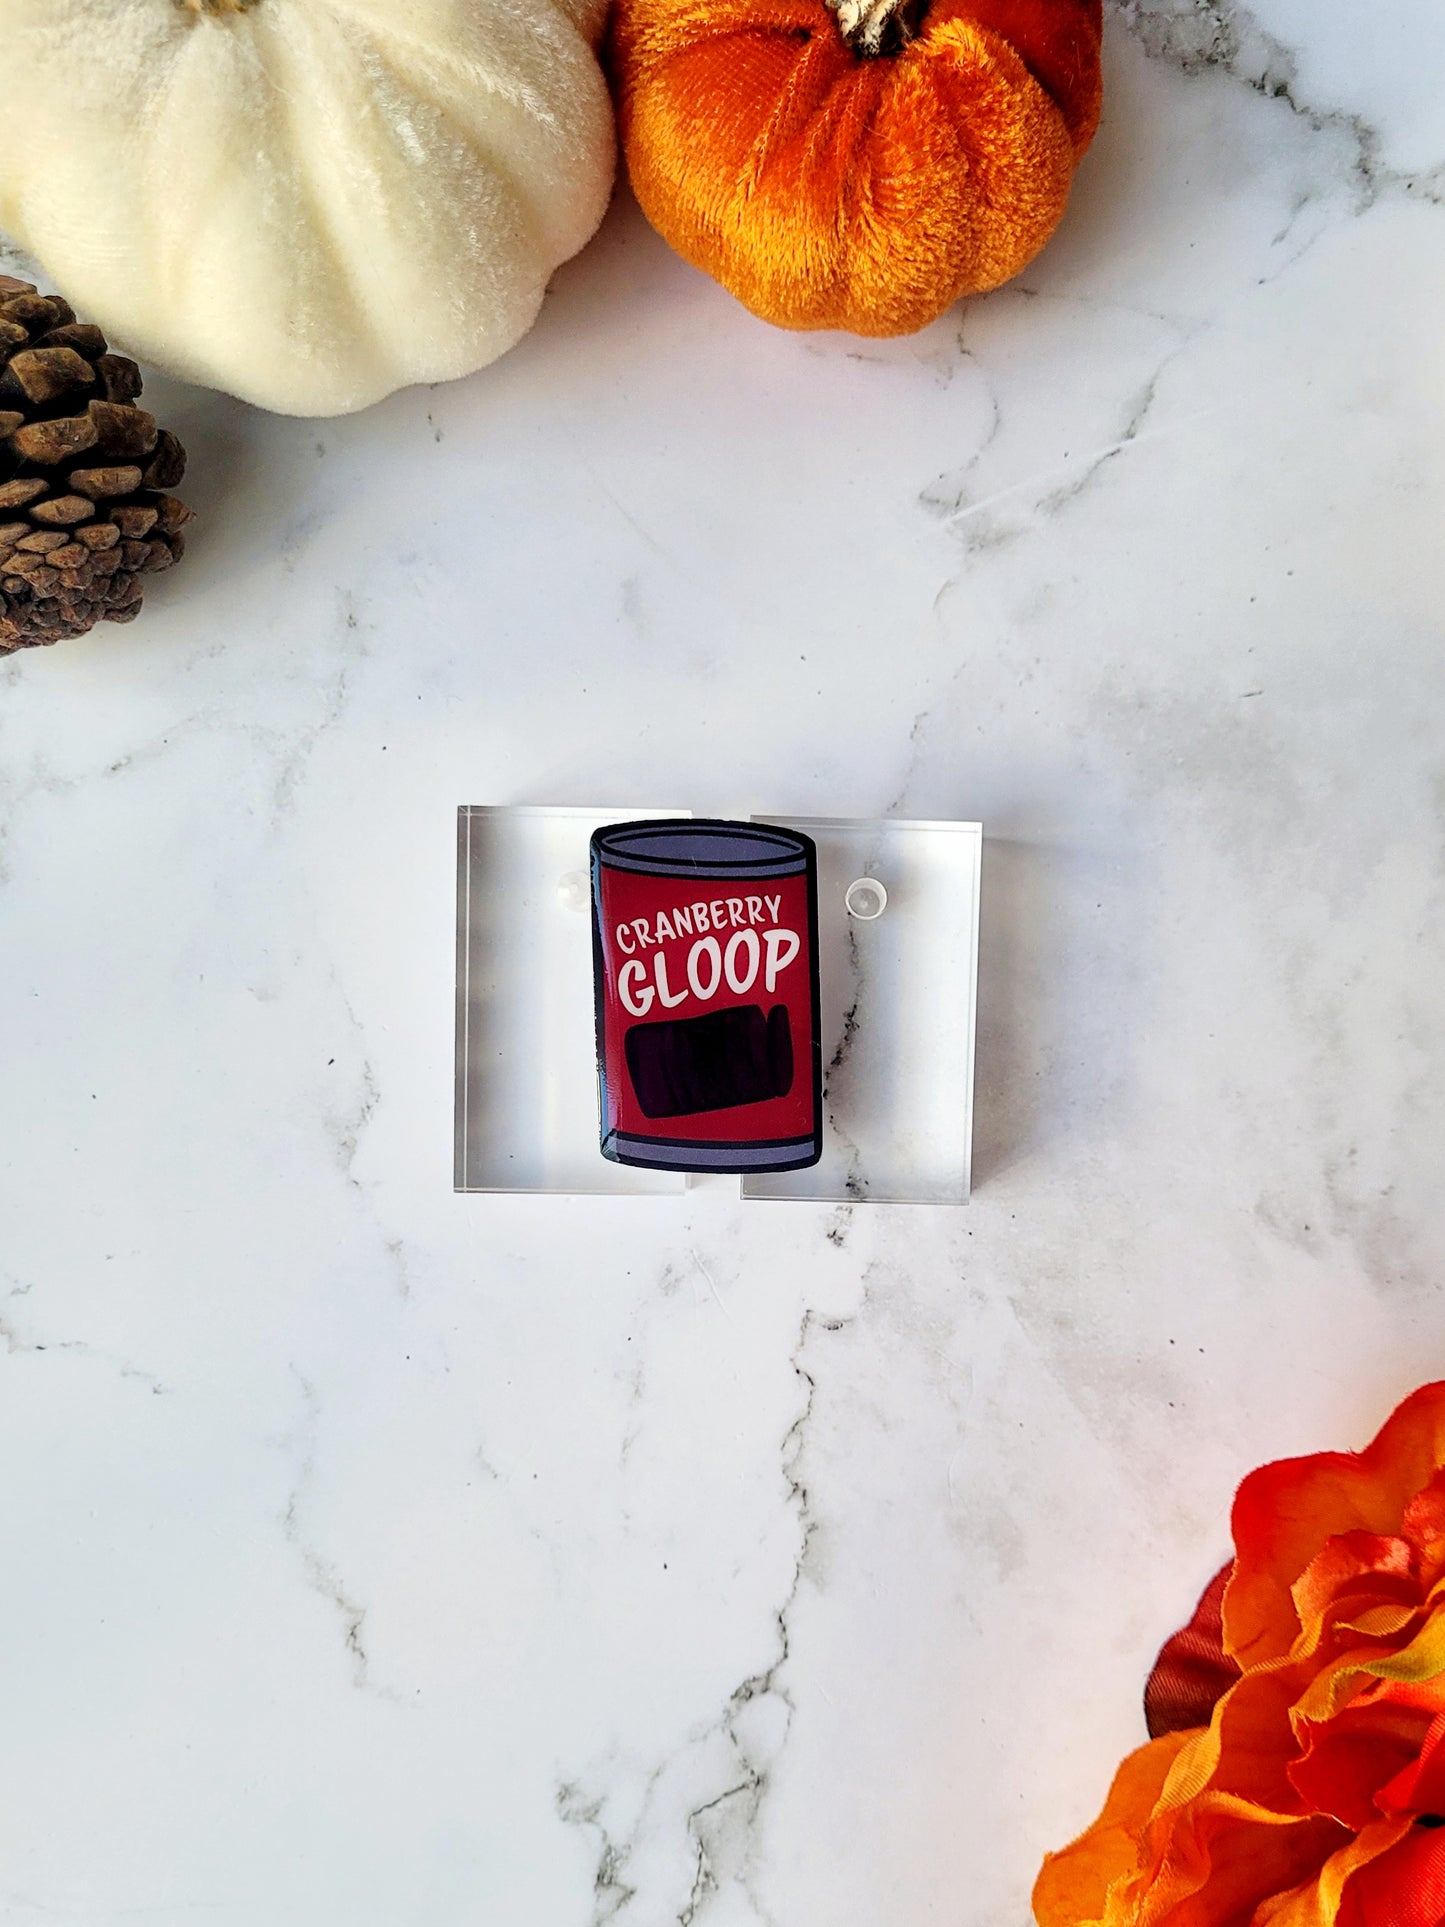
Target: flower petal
{"x":1072,"y":1889}
{"x":1284,"y":1514}
{"x":1402,"y":1888}
{"x":1354,"y":1569}
{"x":1245,"y":1750}
{"x":1193,"y":1671}
{"x":1424,"y":1526}
{"x":1419,"y":1787}
{"x":1317,"y":1902}
{"x":1217,"y":1861}
{"x":1347,"y":1760}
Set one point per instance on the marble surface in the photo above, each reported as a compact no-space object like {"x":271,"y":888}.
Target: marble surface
{"x":377,"y":1556}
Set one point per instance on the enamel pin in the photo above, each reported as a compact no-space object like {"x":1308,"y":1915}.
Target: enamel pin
{"x":705,"y":957}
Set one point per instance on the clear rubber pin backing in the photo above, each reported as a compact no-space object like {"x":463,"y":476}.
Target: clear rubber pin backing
{"x":866,"y":899}
{"x":573,"y":890}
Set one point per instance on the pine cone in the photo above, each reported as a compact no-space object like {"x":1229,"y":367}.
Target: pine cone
{"x":83,"y":513}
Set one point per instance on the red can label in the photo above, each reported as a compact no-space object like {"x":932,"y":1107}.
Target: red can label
{"x":707,"y":995}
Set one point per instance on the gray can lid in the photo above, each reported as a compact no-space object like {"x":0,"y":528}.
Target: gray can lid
{"x":701,"y":847}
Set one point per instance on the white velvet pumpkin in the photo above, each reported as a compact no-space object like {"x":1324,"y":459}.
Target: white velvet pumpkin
{"x":308,"y":203}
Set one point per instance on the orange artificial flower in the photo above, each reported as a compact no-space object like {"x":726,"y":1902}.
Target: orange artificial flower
{"x":1296,"y":1777}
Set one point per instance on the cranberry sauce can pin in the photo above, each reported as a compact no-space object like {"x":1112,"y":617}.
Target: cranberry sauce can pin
{"x":705,"y":959}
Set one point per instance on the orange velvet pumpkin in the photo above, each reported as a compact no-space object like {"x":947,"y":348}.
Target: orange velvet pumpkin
{"x":853,"y":169}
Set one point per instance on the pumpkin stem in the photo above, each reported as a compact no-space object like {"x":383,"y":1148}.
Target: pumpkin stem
{"x":217,"y":7}
{"x":874,"y":27}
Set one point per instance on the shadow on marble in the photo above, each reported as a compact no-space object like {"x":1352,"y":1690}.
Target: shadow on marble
{"x":254,"y":482}
{"x":1062,"y":995}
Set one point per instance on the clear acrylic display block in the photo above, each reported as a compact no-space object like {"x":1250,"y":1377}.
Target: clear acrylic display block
{"x":899,"y":970}
{"x":899,"y":983}
{"x":526,"y":1086}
